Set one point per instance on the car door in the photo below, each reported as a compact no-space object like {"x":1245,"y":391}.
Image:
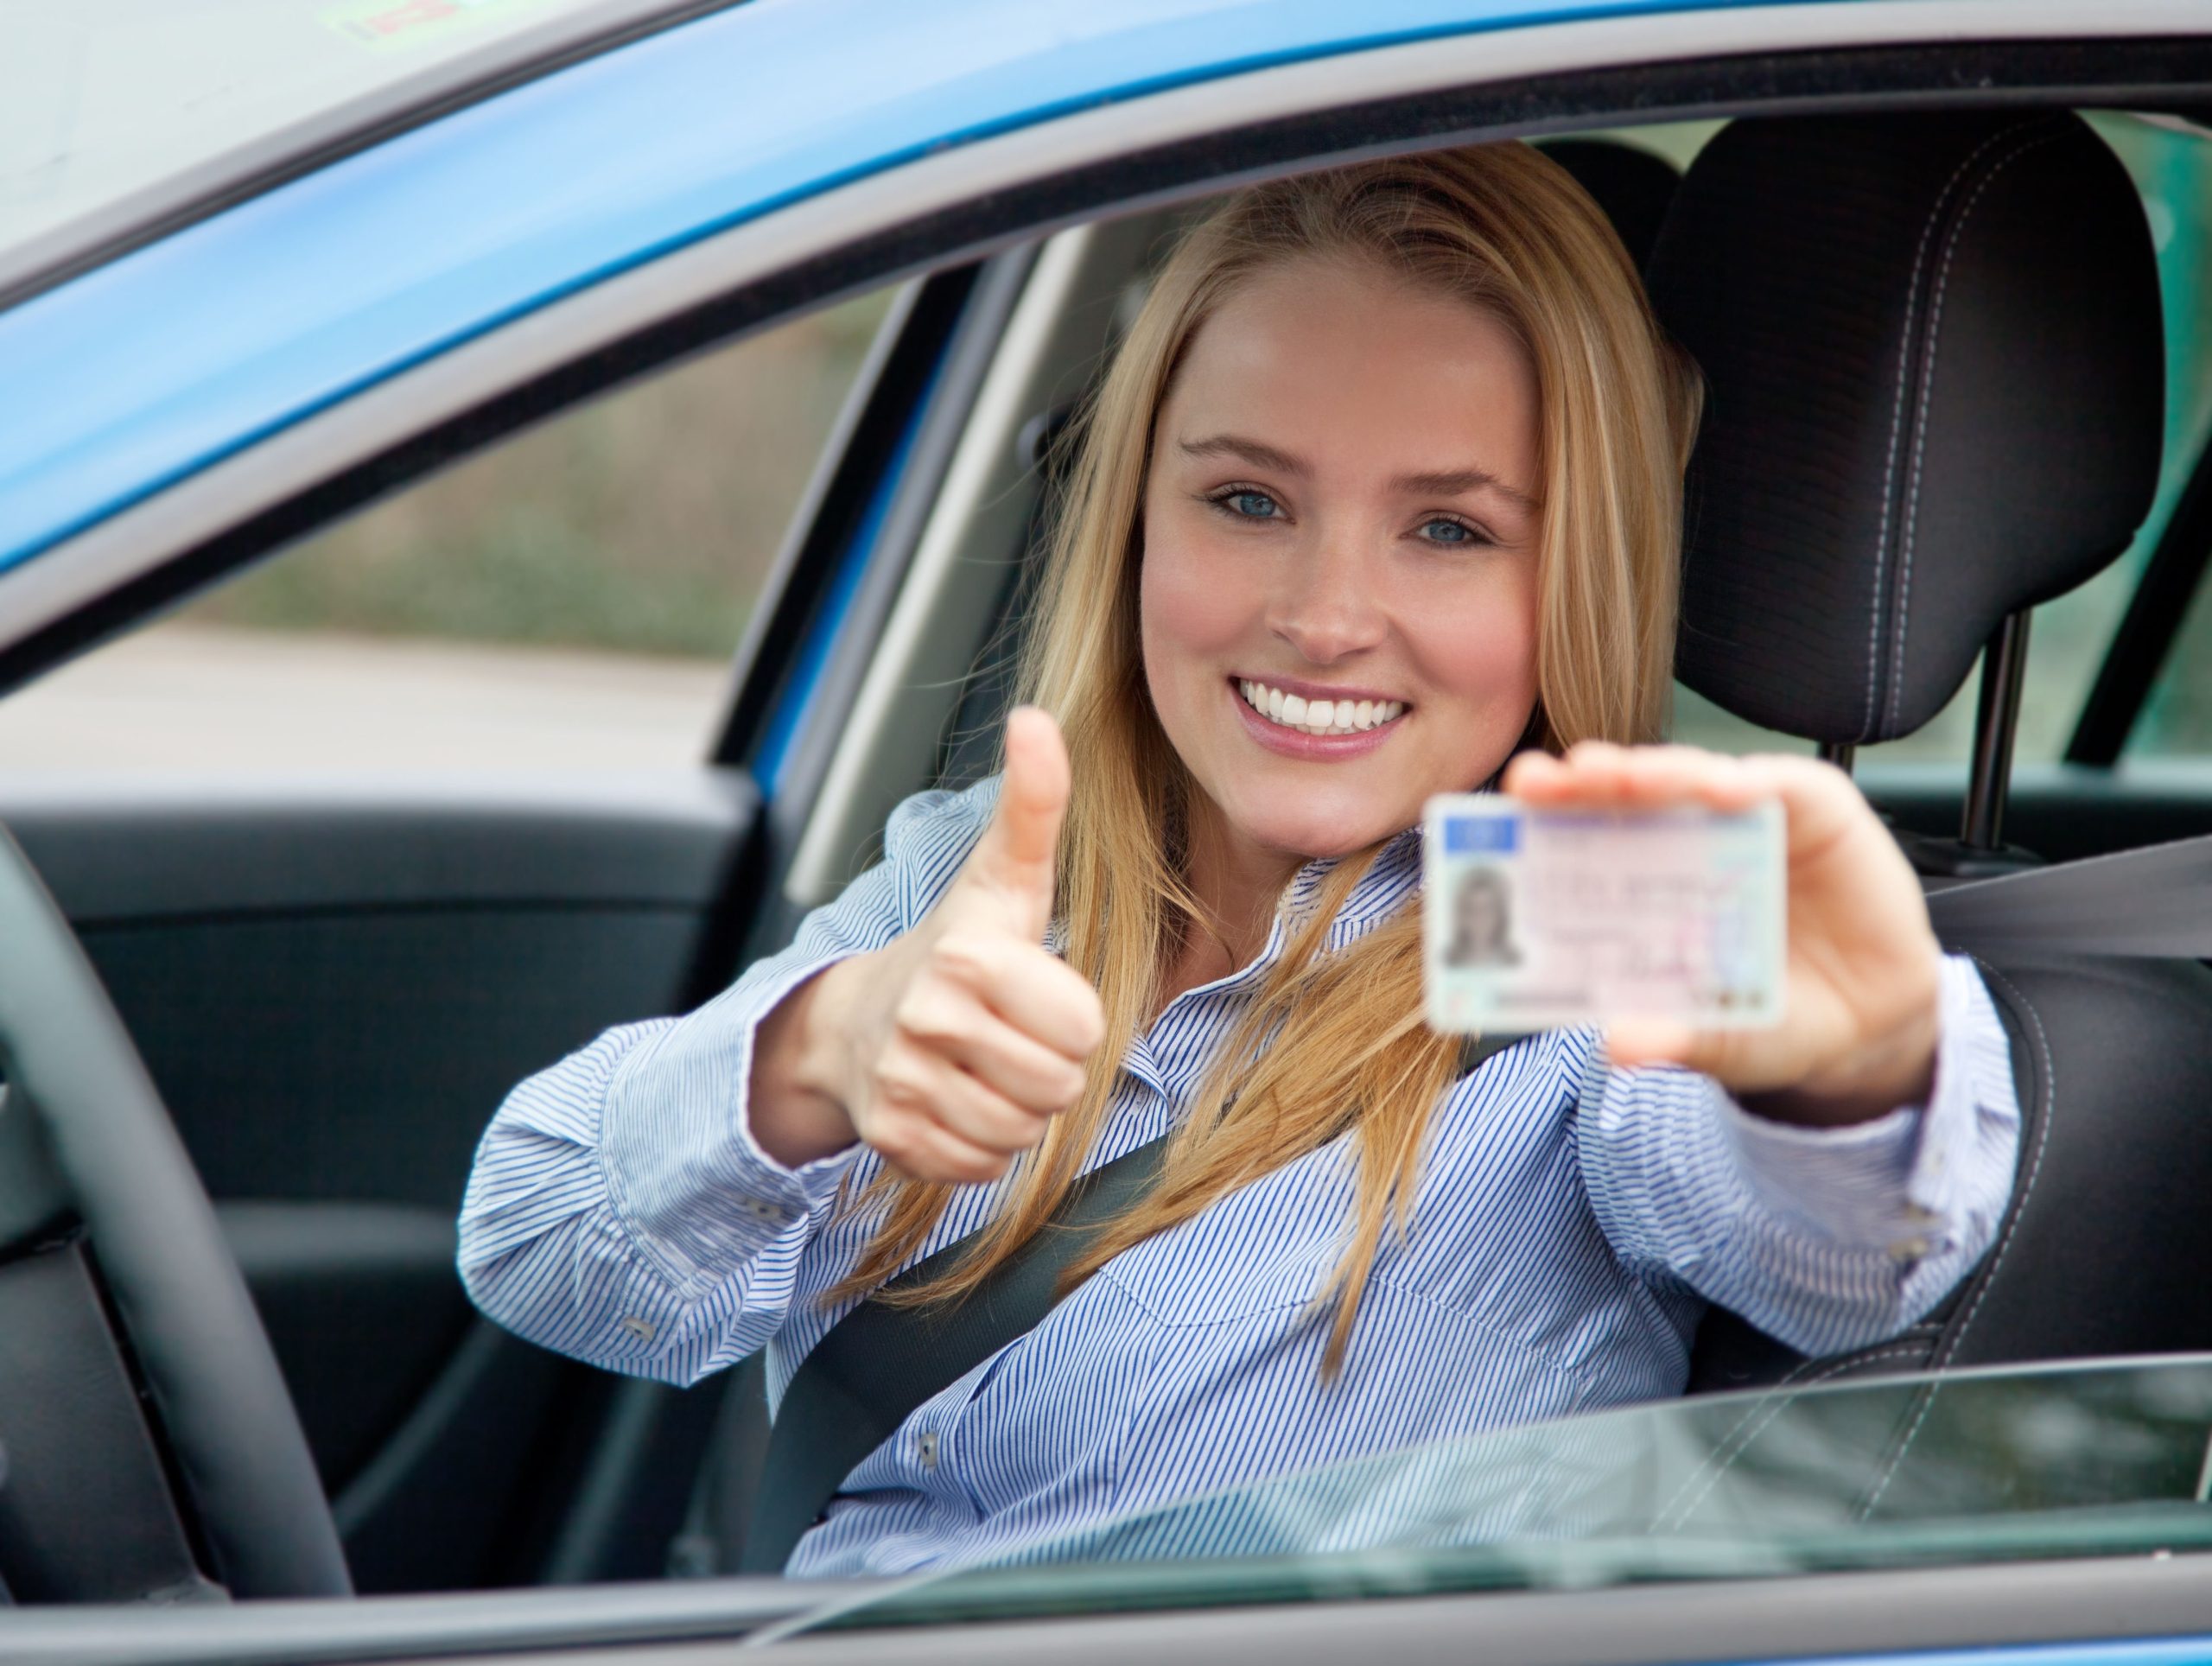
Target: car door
{"x":347,"y":889}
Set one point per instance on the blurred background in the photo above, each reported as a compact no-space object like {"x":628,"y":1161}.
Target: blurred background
{"x":569,"y":598}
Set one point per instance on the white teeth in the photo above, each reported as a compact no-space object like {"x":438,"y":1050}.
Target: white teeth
{"x":1318,"y":717}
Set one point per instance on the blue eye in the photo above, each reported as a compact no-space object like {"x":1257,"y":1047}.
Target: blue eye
{"x":1441,"y":530}
{"x":1253,"y":506}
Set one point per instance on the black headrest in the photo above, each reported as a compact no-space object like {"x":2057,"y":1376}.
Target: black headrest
{"x":1633,"y":187}
{"x":1935,"y":394}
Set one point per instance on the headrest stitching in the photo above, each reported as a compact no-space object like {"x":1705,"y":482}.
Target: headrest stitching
{"x":1920,"y":406}
{"x":1897,"y":416}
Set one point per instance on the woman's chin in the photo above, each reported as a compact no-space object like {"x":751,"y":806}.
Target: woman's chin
{"x":1311,"y":831}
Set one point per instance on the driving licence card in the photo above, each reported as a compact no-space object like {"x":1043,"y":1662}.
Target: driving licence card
{"x":1540,"y":918}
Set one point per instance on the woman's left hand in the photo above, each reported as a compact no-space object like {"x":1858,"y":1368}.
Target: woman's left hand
{"x":1859,"y":1031}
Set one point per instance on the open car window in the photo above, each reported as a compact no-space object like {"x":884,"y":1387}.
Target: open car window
{"x":1996,"y":1464}
{"x":568,"y":600}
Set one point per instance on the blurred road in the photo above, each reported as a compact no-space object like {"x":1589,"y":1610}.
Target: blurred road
{"x":194,"y":697}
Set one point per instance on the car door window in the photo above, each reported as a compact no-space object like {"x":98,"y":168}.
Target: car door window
{"x":2011,"y":1464}
{"x":567,"y":600}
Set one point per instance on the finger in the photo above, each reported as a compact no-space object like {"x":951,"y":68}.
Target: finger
{"x":1040,"y":1081}
{"x":924,"y":1150}
{"x":1532,"y":776}
{"x":1597,"y":774}
{"x":1657,"y":776}
{"x":1032,"y":990}
{"x":964,"y":1104}
{"x":1015,"y":854}
{"x":1589,"y":773}
{"x":1819,"y":803}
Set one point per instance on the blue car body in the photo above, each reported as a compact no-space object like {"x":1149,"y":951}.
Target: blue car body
{"x":128,"y":378}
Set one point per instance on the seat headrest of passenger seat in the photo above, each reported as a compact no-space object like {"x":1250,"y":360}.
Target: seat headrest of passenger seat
{"x":1935,"y":382}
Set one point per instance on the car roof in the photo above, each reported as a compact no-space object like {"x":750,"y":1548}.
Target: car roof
{"x":190,"y":349}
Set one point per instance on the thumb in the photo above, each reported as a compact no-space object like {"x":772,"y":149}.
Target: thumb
{"x":1015,"y":855}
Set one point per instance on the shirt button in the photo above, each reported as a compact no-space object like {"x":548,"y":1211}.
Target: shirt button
{"x":1909,"y":1250}
{"x":640,"y":1328}
{"x":925,"y":1449}
{"x":766,"y":1211}
{"x":1920,"y":1214}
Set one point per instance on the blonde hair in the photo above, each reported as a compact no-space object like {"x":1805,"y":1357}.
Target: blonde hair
{"x":1331,"y":1042}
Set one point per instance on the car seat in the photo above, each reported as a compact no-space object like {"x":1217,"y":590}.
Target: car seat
{"x":1935,"y":373}
{"x":1635,"y":186}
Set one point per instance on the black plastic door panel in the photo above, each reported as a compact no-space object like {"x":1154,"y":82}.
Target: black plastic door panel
{"x":334,"y":986}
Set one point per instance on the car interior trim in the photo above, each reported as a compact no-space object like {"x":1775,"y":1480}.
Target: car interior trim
{"x":850,"y":639}
{"x":1053,"y":340}
{"x":1829,"y":1616}
{"x":915,"y":425}
{"x":396,"y":429}
{"x":839,"y":495}
{"x":129,"y":853}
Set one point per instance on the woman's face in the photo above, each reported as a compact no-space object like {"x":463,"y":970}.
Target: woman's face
{"x":1339,"y":524}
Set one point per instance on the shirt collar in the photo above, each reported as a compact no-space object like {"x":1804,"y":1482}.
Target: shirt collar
{"x":1393,"y":877}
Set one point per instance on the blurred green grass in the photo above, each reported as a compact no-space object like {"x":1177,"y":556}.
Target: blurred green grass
{"x":643,"y":523}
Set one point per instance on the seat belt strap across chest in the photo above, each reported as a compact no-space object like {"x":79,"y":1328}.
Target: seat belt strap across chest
{"x":876,"y":1364}
{"x":865,"y":1377}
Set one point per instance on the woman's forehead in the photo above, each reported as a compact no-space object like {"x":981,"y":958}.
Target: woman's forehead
{"x":1340,"y":367}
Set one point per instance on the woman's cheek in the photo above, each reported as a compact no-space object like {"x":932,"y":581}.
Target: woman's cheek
{"x":1482,"y":656}
{"x":1190,"y":613}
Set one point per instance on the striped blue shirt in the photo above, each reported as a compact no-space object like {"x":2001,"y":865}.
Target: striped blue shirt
{"x":1570,"y":1224}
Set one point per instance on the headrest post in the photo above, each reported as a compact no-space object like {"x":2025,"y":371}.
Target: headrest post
{"x":1838,"y":753}
{"x":1996,"y":725}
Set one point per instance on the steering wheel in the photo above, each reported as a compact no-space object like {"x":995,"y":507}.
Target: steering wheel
{"x":175,"y":1301}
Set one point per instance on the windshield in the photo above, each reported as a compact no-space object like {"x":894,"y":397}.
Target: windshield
{"x":105,"y":102}
{"x":1987,"y":1465}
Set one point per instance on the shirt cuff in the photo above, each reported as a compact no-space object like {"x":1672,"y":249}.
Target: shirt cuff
{"x":1895,"y":1183}
{"x":689,"y":1181}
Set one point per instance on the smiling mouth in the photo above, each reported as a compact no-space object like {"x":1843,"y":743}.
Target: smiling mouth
{"x":1293,"y":711}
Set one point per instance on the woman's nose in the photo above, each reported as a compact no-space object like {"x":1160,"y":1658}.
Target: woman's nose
{"x":1326,"y":607}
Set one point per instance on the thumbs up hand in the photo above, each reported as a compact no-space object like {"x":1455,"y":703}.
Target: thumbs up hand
{"x":950,"y":1049}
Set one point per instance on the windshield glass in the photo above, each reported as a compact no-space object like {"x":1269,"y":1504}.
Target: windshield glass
{"x":103,"y":101}
{"x":2004,"y":1464}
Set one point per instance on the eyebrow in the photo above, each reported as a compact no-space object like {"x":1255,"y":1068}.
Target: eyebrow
{"x":1447,"y":483}
{"x":1252,"y":451}
{"x":1452,"y":482}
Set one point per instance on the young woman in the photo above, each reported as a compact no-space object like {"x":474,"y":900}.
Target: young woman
{"x":1379,"y":499}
